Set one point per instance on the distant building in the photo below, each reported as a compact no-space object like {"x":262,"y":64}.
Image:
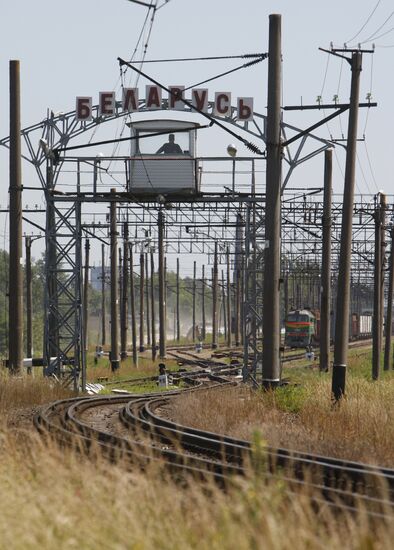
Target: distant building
{"x":95,"y":276}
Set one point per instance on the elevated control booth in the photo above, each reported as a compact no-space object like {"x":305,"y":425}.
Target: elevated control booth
{"x":163,"y":164}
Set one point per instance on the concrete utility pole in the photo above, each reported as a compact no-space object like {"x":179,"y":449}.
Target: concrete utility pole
{"x":389,"y":313}
{"x":178,"y":319}
{"x":152,"y":301}
{"x":142,"y":286}
{"x":132,"y":307}
{"x":15,"y":253}
{"x":271,"y":292}
{"x":103,"y":324}
{"x":29,"y":302}
{"x":325,"y":296}
{"x":215,"y":299}
{"x":125,"y":293}
{"x":229,"y":343}
{"x":86,"y":297}
{"x":114,"y":356}
{"x":162,"y":289}
{"x":377,"y":320}
{"x":343,"y":292}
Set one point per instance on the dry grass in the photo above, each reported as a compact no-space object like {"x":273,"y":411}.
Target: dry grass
{"x":56,"y":499}
{"x":20,"y":397}
{"x":302,"y":418}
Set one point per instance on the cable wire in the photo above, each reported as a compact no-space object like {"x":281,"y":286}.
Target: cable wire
{"x":372,"y":36}
{"x":366,"y":23}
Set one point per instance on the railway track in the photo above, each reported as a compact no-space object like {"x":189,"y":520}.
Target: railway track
{"x":135,"y":428}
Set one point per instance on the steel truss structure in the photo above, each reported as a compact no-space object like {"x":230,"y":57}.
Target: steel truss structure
{"x":77,"y":191}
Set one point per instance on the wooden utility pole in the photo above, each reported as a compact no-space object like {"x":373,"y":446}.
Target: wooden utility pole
{"x":215,"y":299}
{"x":114,"y":356}
{"x":148,"y":323}
{"x":133,"y":309}
{"x":325,"y":296}
{"x":178,"y":319}
{"x":125,"y":293}
{"x":271,"y":293}
{"x":29,"y":302}
{"x":377,"y":320}
{"x":343,"y":292}
{"x":389,"y":313}
{"x":203,"y":319}
{"x":142,"y":287}
{"x":162,"y":287}
{"x":103,"y":324}
{"x":15,"y":312}
{"x":223,"y":308}
{"x":152,"y":301}
{"x":194,"y":302}
{"x":86,"y":297}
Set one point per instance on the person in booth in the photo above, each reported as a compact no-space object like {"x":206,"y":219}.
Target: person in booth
{"x":170,"y":148}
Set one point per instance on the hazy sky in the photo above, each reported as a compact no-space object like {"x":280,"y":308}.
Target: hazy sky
{"x":71,"y":48}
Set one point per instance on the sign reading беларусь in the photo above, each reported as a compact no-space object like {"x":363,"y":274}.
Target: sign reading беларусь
{"x":153,"y":100}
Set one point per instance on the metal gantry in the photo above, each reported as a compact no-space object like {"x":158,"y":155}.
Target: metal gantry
{"x":77,"y":192}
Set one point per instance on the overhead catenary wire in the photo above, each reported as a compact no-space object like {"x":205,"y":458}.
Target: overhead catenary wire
{"x":365,"y":24}
{"x":210,"y":58}
{"x":373,"y":35}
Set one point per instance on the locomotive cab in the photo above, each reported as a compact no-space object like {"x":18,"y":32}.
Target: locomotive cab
{"x":300,"y":328}
{"x":163,"y":158}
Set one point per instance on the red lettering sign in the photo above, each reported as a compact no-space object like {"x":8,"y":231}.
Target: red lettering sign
{"x":83,"y":108}
{"x":107,"y":103}
{"x":222,"y":104}
{"x":130,"y":99}
{"x":173,"y":101}
{"x":200,"y":99}
{"x":153,"y":97}
{"x":245,"y":108}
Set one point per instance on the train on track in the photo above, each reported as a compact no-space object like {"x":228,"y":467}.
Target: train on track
{"x":302,"y":327}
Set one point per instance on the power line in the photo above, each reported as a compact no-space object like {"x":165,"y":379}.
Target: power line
{"x":366,"y":23}
{"x":372,"y":36}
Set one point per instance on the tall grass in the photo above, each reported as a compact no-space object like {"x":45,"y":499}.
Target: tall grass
{"x":53,"y":498}
{"x":302,"y":418}
{"x":27,"y":391}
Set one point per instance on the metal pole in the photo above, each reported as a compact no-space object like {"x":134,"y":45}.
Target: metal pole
{"x":162,"y":290}
{"x":29,"y":302}
{"x":215,"y":299}
{"x":343,"y":289}
{"x":325,"y":297}
{"x":103,"y":325}
{"x":377,"y":319}
{"x":194,"y":302}
{"x":271,"y":293}
{"x":389,"y":313}
{"x":229,"y":328}
{"x":203,"y":320}
{"x":125,"y":293}
{"x":15,"y":252}
{"x":114,"y":356}
{"x":86,"y":297}
{"x":132,"y":307}
{"x":152,"y":301}
{"x":142,"y":286}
